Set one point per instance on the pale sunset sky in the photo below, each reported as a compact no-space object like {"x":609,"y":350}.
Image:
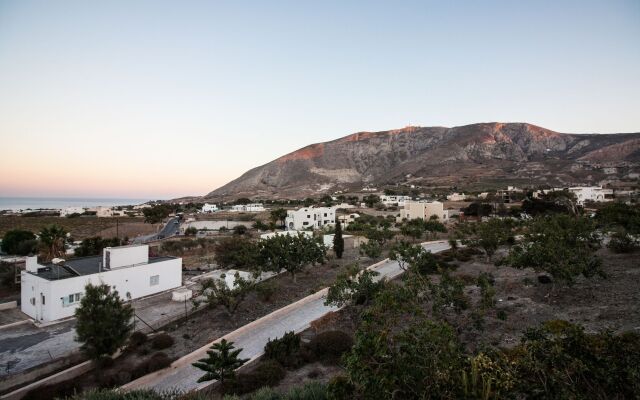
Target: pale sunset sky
{"x":160,"y":99}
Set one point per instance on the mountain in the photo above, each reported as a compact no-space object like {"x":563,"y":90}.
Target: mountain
{"x":471,"y":155}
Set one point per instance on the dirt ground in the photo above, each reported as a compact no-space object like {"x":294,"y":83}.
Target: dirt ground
{"x":80,"y":227}
{"x":597,"y":304}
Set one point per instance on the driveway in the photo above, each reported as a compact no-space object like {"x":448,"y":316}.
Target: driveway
{"x":252,"y":337}
{"x":171,"y":228}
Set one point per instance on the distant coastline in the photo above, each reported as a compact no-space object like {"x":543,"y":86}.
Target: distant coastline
{"x":37,"y":203}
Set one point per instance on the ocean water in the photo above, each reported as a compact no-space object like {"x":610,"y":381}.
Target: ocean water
{"x":35,"y":203}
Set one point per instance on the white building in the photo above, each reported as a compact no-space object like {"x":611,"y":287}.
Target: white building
{"x":457,"y":197}
{"x":583,"y":193}
{"x":53,"y":291}
{"x":71,"y":210}
{"x":423,"y":210}
{"x":209,"y":208}
{"x":394,"y":200}
{"x":253,"y":207}
{"x":591,"y":193}
{"x":310,"y":217}
{"x":102,"y":211}
{"x":345,"y":220}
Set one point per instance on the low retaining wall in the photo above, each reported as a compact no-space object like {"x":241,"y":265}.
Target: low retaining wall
{"x":8,"y":305}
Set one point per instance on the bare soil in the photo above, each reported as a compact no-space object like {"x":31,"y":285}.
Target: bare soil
{"x":79,"y":227}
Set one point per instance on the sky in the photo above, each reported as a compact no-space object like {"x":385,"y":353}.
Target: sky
{"x":162,"y":99}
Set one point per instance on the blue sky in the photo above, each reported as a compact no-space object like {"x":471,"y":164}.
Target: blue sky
{"x":163,"y":99}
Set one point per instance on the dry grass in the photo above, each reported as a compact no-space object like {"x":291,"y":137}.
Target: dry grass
{"x":81,"y":227}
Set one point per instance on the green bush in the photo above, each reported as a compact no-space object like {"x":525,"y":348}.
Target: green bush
{"x":156,"y":362}
{"x":330,"y":345}
{"x":310,"y":391}
{"x":285,"y":350}
{"x":621,"y":242}
{"x":339,"y":388}
{"x":267,"y":373}
{"x":162,"y":341}
{"x":136,"y":339}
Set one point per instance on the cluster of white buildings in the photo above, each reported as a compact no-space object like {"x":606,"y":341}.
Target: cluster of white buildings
{"x":252,"y":207}
{"x":53,"y":290}
{"x":394,"y":200}
{"x":457,"y":197}
{"x":583,"y":193}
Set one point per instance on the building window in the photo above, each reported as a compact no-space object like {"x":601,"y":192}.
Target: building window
{"x":305,"y":223}
{"x":42,"y":298}
{"x":154,"y":280}
{"x":325,"y":214}
{"x":71,"y":299}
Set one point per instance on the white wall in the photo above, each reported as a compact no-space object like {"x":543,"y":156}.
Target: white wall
{"x":125,"y":256}
{"x":310,"y":217}
{"x":134,"y":280}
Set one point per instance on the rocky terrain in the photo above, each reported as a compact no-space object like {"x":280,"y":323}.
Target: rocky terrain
{"x":482,"y":153}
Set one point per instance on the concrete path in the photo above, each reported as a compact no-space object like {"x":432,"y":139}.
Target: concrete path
{"x":253,"y":336}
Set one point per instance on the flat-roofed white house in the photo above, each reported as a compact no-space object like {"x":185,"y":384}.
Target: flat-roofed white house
{"x":310,"y":217}
{"x":209,"y":208}
{"x":102,"y":211}
{"x":252,"y":207}
{"x":394,"y":200}
{"x":52,"y":291}
{"x":423,"y":210}
{"x":347,"y":219}
{"x":71,"y":210}
{"x":457,"y":197}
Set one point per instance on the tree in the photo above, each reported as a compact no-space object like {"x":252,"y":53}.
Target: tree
{"x":620,"y":215}
{"x":338,"y":240}
{"x":221,"y":363}
{"x":93,"y":246}
{"x":413,"y":228}
{"x":217,"y":291}
{"x":191,"y":231}
{"x":19,"y":242}
{"x":104,"y":322}
{"x":490,"y":235}
{"x":291,"y":253}
{"x":371,"y":249}
{"x":478,"y":209}
{"x":414,"y":258}
{"x":239,"y":230}
{"x":236,"y":252}
{"x":157,"y":213}
{"x":52,"y":239}
{"x":371,"y":200}
{"x":560,"y":245}
{"x":557,"y":201}
{"x":354,"y":287}
{"x":622,"y":242}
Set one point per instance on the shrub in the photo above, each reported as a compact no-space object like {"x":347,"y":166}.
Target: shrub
{"x":265,"y":291}
{"x":622,"y":242}
{"x":339,"y":388}
{"x":136,"y":339}
{"x":156,"y":362}
{"x":310,"y":391}
{"x":267,"y":373}
{"x":330,"y":345}
{"x":162,"y":341}
{"x":285,"y":350}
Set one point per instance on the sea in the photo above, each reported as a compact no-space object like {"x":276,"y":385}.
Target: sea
{"x":47,"y":203}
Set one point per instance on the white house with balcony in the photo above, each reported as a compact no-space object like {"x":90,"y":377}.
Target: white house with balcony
{"x":52,"y":291}
{"x":209,"y":208}
{"x":310,"y":217}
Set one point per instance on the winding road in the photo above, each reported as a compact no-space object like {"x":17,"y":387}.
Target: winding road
{"x":252,"y":337}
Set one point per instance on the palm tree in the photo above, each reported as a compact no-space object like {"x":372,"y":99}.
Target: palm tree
{"x":52,"y":238}
{"x":221,"y":363}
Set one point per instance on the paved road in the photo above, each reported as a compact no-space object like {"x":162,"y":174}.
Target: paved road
{"x":171,"y":228}
{"x":253,"y":337}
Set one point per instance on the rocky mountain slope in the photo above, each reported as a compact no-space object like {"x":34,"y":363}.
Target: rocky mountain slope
{"x":474,"y":154}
